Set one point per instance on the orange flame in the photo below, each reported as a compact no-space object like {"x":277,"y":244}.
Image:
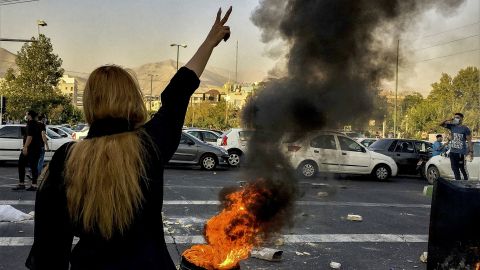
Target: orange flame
{"x":231,"y":234}
{"x":477,"y":266}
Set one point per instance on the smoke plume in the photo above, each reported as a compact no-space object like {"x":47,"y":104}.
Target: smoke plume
{"x":338,"y":52}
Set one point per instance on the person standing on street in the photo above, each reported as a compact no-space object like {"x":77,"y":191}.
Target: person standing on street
{"x":108,"y":188}
{"x":461,"y":146}
{"x":43,"y":128}
{"x":438,"y":147}
{"x":30,"y":154}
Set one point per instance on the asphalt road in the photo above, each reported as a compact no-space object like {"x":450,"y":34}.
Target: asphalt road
{"x":392,"y":235}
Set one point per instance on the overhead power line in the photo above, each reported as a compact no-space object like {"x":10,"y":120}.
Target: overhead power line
{"x":443,"y":56}
{"x":447,"y":42}
{"x":449,"y":30}
{"x":6,"y":3}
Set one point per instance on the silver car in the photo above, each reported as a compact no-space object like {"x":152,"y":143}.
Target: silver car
{"x":192,"y":151}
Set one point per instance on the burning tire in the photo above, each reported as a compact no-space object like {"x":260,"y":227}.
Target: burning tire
{"x":432,"y":174}
{"x":308,"y":169}
{"x":234,"y":158}
{"x":381,"y":172}
{"x":208,"y":162}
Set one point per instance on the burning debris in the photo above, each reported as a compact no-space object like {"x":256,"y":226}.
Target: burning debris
{"x":241,"y":225}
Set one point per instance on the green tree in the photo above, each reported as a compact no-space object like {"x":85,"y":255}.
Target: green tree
{"x":34,"y":85}
{"x":213,"y":115}
{"x":448,"y":96}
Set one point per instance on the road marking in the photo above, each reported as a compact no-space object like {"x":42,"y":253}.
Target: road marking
{"x":289,"y":239}
{"x":307,"y":203}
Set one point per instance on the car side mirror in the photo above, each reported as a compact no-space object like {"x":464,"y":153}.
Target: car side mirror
{"x":189,"y":142}
{"x":64,"y":135}
{"x":364,"y":150}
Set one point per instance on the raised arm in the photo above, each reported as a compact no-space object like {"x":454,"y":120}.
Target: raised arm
{"x":218,"y":32}
{"x":166,"y":125}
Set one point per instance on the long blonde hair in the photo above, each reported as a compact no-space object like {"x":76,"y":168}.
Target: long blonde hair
{"x":103,"y":173}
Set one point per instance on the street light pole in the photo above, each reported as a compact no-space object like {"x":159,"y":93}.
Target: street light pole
{"x":40,"y":23}
{"x":178,"y":50}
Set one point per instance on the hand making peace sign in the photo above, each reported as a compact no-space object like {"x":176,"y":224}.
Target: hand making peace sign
{"x":219,"y":31}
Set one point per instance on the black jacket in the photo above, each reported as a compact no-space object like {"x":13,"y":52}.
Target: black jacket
{"x":143,"y":245}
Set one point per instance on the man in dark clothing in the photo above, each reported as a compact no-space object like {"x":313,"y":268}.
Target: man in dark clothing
{"x":460,"y":151}
{"x":32,"y":145}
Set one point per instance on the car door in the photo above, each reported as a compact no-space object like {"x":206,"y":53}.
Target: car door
{"x":324,"y":150}
{"x":11,"y":142}
{"x":353,"y":158}
{"x":474,"y":166}
{"x":405,"y":156}
{"x":186,"y":151}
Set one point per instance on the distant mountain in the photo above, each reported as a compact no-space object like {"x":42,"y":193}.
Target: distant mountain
{"x":163,"y":71}
{"x":7,"y":60}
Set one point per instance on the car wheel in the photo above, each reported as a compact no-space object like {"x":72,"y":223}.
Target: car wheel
{"x":208,"y":162}
{"x":234,"y":158}
{"x":308,"y":169}
{"x":381,"y":172}
{"x":432,"y":174}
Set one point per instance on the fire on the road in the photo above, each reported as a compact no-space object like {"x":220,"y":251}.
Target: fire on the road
{"x":232,"y":233}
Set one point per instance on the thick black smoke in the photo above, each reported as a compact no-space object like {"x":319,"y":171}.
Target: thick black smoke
{"x":338,"y":52}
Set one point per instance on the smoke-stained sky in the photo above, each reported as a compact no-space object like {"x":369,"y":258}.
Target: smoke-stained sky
{"x":90,"y":33}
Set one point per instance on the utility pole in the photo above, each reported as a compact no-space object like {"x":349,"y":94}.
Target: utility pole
{"x":396,"y":93}
{"x":151,"y":91}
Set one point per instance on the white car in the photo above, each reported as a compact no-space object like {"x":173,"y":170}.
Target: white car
{"x":235,"y":142}
{"x":439,"y":166}
{"x":11,"y":142}
{"x":204,"y":135}
{"x":80,"y":135}
{"x":334,"y":152}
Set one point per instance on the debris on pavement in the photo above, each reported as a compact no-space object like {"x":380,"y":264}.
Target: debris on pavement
{"x":279,"y":242}
{"x":11,"y":214}
{"x":322,"y":194}
{"x":428,"y":190}
{"x":353,"y":217}
{"x":424,"y":257}
{"x":302,"y":253}
{"x":335,"y":265}
{"x":268,"y":254}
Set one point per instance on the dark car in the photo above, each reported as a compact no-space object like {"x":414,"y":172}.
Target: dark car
{"x":192,"y":151}
{"x":408,"y":154}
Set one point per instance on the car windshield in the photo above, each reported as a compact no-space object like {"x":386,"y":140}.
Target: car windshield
{"x":67,"y":130}
{"x":53,"y":135}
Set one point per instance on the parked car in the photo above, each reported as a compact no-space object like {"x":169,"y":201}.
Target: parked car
{"x":410,"y":155}
{"x":11,"y":142}
{"x":235,"y":142}
{"x":80,"y":135}
{"x":334,"y":152}
{"x":204,"y":135}
{"x":193,"y":151}
{"x":366,"y":141}
{"x":439,"y":166}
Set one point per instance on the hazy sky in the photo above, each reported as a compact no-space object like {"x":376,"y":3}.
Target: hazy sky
{"x":90,"y":33}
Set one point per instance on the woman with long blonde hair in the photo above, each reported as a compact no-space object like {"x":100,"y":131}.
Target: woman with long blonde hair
{"x":108,"y":189}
